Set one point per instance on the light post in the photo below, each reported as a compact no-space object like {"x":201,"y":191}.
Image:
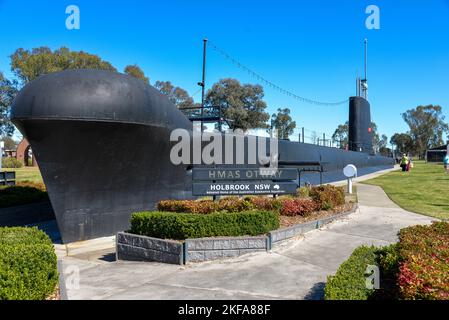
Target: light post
{"x":202,"y":84}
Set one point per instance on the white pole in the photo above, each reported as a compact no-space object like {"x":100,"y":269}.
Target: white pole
{"x":350,"y":185}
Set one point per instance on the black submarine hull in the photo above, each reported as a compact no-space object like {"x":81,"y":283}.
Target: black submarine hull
{"x":102,"y":143}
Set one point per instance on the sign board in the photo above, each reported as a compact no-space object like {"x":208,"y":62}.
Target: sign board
{"x":350,"y":171}
{"x":227,"y":174}
{"x":243,"y":188}
{"x":243,"y":181}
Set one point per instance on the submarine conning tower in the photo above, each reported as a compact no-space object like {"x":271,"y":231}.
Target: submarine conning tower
{"x":360,"y":130}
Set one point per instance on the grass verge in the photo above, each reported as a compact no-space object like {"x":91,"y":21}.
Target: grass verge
{"x":424,"y":190}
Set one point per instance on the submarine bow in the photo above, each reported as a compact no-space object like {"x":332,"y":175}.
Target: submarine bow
{"x":101,"y":140}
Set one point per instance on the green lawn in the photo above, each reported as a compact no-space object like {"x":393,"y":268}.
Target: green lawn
{"x":27,"y":174}
{"x":424,"y":190}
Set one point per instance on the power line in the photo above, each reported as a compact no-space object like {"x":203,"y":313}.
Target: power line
{"x":198,"y":91}
{"x":269,"y":83}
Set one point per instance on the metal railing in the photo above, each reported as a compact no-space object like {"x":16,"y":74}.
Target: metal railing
{"x":7,"y":178}
{"x":214,"y":114}
{"x":210,"y":114}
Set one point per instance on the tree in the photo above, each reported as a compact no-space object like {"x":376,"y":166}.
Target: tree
{"x":10,"y":143}
{"x":242,"y":105}
{"x":8,"y":90}
{"x":427,"y":127}
{"x":341,"y":135}
{"x":178,"y":96}
{"x":403,"y":143}
{"x":375,"y":138}
{"x":136,"y":71}
{"x":381,"y":143}
{"x":283,"y":123}
{"x":384,"y":151}
{"x":28,"y":65}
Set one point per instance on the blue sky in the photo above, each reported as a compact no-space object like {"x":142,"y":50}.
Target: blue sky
{"x":312,"y":48}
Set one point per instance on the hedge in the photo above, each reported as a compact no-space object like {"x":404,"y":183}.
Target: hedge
{"x":10,"y":163}
{"x":416,"y":268}
{"x":349,"y":282}
{"x":22,"y":194}
{"x":180,"y":226}
{"x":424,"y":271}
{"x":28,"y":264}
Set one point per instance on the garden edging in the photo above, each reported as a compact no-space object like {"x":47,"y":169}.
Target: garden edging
{"x":141,"y":248}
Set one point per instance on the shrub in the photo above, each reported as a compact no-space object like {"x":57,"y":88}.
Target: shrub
{"x":230,"y":204}
{"x":328,"y":196}
{"x":28,"y":264}
{"x":31,"y":184}
{"x":188,"y":206}
{"x":11,"y":163}
{"x":349,"y":282}
{"x":19,"y":195}
{"x":235,"y":204}
{"x":388,"y":261}
{"x":415,"y":268}
{"x":179,"y":226}
{"x":265,"y":203}
{"x":303,"y":192}
{"x":424,"y":270}
{"x":321,"y":198}
{"x":298,"y":206}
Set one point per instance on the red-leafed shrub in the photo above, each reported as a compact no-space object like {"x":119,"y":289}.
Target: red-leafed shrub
{"x":235,"y":204}
{"x":188,"y":206}
{"x":328,"y":196}
{"x":424,"y":270}
{"x":230,"y":204}
{"x":321,"y":198}
{"x":206,"y":206}
{"x":298,"y":206}
{"x":265,"y":203}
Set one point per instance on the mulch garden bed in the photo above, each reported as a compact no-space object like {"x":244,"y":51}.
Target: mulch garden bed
{"x":287,"y":221}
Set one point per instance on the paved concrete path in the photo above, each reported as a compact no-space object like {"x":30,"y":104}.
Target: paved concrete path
{"x":297,"y":270}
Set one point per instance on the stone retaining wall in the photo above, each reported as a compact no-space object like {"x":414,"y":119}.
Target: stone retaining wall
{"x":141,"y":248}
{"x":217,"y":248}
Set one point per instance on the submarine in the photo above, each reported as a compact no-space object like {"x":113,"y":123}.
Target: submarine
{"x":102,"y":143}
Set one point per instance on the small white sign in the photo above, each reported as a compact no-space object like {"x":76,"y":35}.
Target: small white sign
{"x":350,"y":171}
